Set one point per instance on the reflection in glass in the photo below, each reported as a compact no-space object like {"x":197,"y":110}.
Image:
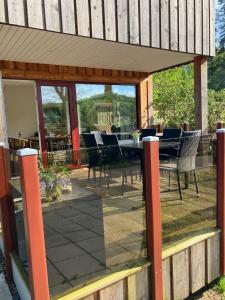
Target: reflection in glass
{"x":56,"y":117}
{"x":110,"y":108}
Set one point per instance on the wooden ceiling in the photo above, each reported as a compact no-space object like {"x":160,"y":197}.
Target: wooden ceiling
{"x":39,"y":46}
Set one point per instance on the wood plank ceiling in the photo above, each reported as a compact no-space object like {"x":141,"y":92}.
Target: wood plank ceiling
{"x":38,"y":46}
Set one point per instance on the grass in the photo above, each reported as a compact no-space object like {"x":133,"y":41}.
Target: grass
{"x":221,"y":286}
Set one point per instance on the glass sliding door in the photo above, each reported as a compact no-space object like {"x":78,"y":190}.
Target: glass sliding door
{"x":57,"y":120}
{"x":110,"y":108}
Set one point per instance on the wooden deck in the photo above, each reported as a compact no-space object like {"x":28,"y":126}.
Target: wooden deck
{"x":94,"y":232}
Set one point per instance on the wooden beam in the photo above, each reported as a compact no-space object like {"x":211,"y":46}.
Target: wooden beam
{"x":20,"y":70}
{"x":145,"y":103}
{"x":201,"y":93}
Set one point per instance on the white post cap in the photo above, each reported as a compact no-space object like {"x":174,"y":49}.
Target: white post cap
{"x":150,"y":139}
{"x":26,"y":152}
{"x":221,"y":130}
{"x":2,"y":144}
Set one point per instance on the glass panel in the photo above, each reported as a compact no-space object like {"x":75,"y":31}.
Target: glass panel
{"x":195,"y":164}
{"x":97,"y":226}
{"x":16,"y":192}
{"x":110,"y":108}
{"x":57,"y":127}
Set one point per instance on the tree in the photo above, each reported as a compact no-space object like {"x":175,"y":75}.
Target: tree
{"x":220,"y":23}
{"x":174,"y":96}
{"x":216,"y":71}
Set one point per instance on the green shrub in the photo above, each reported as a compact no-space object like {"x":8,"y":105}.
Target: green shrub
{"x":221,"y":285}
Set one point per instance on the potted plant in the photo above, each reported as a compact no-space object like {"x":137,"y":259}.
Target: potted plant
{"x":136,"y":136}
{"x":54,"y":180}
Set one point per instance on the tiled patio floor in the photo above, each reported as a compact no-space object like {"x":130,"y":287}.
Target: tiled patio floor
{"x":93,"y":231}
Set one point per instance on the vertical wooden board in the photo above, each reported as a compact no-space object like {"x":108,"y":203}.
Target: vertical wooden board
{"x":16,"y":12}
{"x":198,"y":27}
{"x":110,"y":20}
{"x":134,"y":21}
{"x":197,"y":266}
{"x":213,"y":258}
{"x":83,"y":20}
{"x":190,"y":26}
{"x":34,"y":13}
{"x":116,"y":291}
{"x":182,"y":25}
{"x":2,"y":11}
{"x":68,"y":16}
{"x":155,"y":26}
{"x":173,"y":25}
{"x":205,"y":46}
{"x":52,"y":16}
{"x":122,"y":19}
{"x":212,"y":27}
{"x":142,"y":284}
{"x":165,"y":43}
{"x":144,"y":22}
{"x":180,"y":273}
{"x":90,"y":297}
{"x":97,"y":18}
{"x":166,"y":279}
{"x":131,"y":287}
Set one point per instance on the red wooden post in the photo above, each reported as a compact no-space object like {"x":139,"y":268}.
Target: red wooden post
{"x":219,"y":125}
{"x":221,"y":194}
{"x":186,"y":126}
{"x":153,"y":212}
{"x":33,"y":222}
{"x":159,"y":128}
{"x":7,"y":213}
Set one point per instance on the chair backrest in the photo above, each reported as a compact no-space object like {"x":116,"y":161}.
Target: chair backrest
{"x":89,"y":140}
{"x":114,"y":152}
{"x":188,"y":151}
{"x":98,"y":136}
{"x":18,"y":143}
{"x":148,"y":132}
{"x":171,"y":133}
{"x":190,"y":133}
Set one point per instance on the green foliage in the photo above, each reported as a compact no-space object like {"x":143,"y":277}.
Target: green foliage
{"x":174,"y":96}
{"x":216,"y":71}
{"x":221,"y":286}
{"x":174,"y":99}
{"x":216,"y":107}
{"x":123,"y":106}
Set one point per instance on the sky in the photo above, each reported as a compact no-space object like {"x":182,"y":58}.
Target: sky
{"x":88,"y":90}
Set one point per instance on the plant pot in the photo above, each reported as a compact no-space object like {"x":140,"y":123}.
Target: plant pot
{"x":54,"y":194}
{"x":136,"y":140}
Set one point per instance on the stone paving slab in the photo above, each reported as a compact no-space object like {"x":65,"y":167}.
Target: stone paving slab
{"x":4,"y":290}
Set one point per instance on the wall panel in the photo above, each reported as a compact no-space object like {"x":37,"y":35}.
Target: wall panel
{"x":134,"y":21}
{"x":122,"y":18}
{"x":178,"y":25}
{"x":155,"y":23}
{"x":165,"y":25}
{"x":110,"y":19}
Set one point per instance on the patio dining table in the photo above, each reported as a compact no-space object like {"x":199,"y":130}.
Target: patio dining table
{"x":163,"y":144}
